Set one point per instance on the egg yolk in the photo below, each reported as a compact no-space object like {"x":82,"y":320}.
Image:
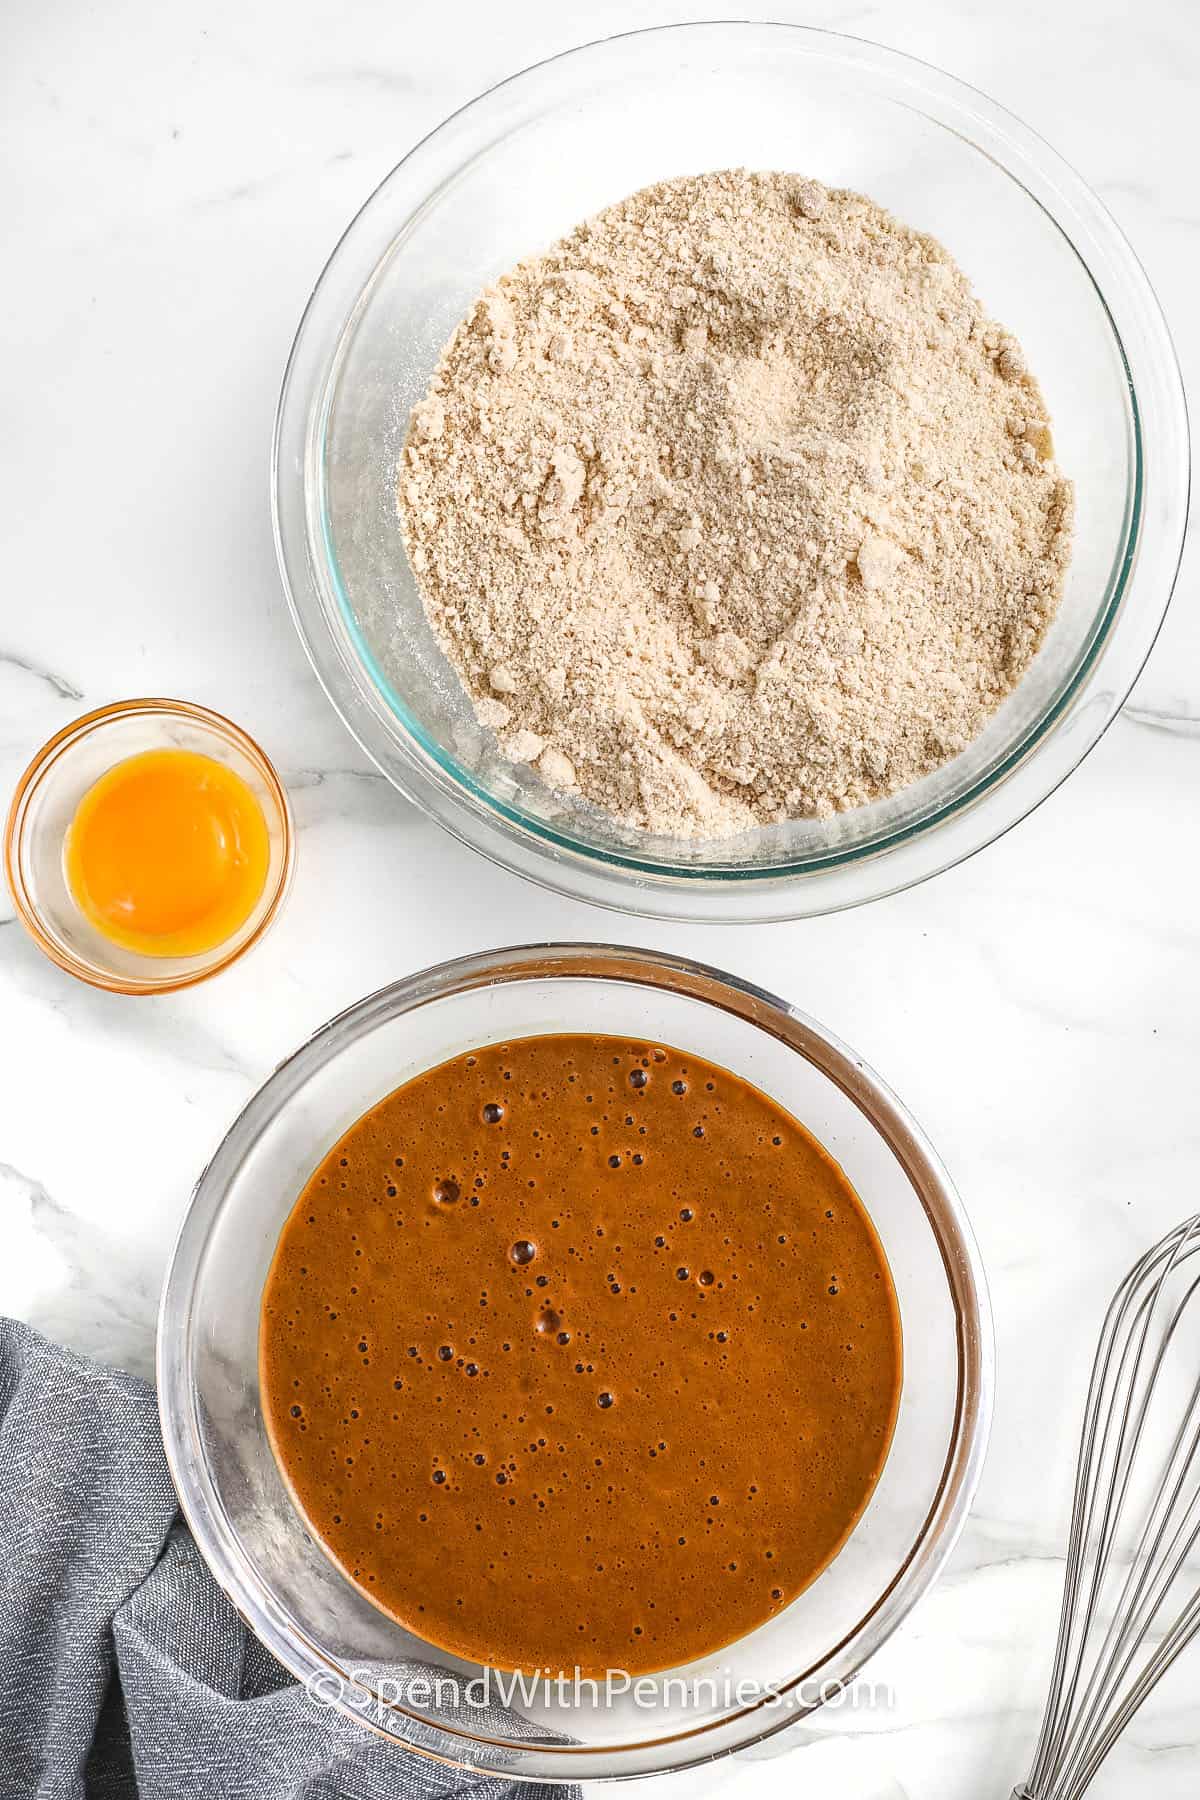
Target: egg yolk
{"x":168,"y":853}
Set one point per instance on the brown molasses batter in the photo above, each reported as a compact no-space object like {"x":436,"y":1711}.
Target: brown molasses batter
{"x":578,"y":1352}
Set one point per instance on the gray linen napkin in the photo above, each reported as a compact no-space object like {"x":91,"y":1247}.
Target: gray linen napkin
{"x":125,"y":1673}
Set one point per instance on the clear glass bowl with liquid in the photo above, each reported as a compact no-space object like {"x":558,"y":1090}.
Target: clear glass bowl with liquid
{"x":47,"y":797}
{"x":319,"y":1624}
{"x":518,"y":167}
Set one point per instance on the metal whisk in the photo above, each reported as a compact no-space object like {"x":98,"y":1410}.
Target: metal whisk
{"x":1130,"y":1603}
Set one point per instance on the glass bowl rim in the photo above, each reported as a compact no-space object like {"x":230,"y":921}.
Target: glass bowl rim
{"x":536,"y":850}
{"x":39,"y":766}
{"x":202,"y":1504}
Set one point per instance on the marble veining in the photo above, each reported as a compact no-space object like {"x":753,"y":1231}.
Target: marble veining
{"x":175,"y":179}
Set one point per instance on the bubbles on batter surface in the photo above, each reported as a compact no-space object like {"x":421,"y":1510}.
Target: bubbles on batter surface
{"x":619,"y":1176}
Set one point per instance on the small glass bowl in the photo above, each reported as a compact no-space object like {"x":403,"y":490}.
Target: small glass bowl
{"x":513,"y":171}
{"x":44,"y":804}
{"x":316,"y":1621}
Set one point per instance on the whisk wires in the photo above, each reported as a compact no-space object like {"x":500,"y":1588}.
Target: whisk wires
{"x":1127,"y":1613}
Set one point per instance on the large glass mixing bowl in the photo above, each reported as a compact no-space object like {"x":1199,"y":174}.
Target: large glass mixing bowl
{"x":318,"y":1623}
{"x":518,"y":167}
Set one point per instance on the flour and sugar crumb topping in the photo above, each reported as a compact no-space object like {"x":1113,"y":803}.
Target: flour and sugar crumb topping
{"x":734,"y":506}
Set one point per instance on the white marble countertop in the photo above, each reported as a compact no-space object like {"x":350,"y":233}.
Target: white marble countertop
{"x":174,"y":178}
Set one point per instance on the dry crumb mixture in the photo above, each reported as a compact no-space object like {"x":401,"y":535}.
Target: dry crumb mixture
{"x":734,"y":506}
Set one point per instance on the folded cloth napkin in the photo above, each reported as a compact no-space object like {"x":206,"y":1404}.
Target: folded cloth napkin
{"x":125,"y":1673}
